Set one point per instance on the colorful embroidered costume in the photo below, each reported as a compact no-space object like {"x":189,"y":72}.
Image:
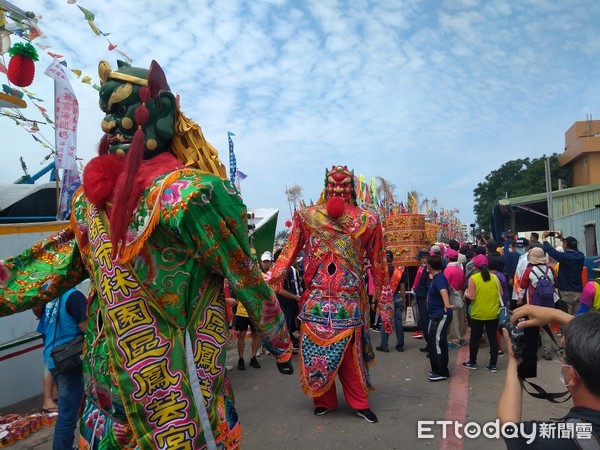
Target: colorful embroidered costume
{"x":334,"y":306}
{"x":155,"y":342}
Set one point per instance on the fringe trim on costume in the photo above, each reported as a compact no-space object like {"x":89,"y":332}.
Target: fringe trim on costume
{"x":308,"y":391}
{"x":133,"y":248}
{"x":192,"y":149}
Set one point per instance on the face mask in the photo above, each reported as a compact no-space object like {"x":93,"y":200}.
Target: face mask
{"x":520,"y":250}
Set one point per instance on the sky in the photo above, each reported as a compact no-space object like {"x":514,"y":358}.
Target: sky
{"x":430,"y":95}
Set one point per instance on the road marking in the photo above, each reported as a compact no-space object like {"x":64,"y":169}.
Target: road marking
{"x":458,"y":396}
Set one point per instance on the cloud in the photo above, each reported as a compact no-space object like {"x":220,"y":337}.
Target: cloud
{"x":431,"y":97}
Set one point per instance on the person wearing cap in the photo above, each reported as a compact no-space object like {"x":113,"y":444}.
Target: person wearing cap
{"x":571,"y":262}
{"x":537,"y":268}
{"x":485,"y":293}
{"x":438,"y":250}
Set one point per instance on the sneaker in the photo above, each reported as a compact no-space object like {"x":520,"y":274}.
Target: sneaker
{"x":500,"y":352}
{"x":491,"y":368}
{"x":368,"y":415}
{"x":417,"y":335}
{"x":469,"y":365}
{"x":254,"y":363}
{"x":320,"y":411}
{"x":241,"y":364}
{"x":453,"y":346}
{"x":462,"y":342}
{"x":400,"y":348}
{"x":436,"y":377}
{"x":382,"y":349}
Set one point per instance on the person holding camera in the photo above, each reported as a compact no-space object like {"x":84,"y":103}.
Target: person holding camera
{"x":570,"y":284}
{"x":579,"y":372}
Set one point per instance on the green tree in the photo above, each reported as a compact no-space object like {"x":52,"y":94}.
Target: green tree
{"x":513,"y":179}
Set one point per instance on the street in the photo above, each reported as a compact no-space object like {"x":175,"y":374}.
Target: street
{"x":275,"y":414}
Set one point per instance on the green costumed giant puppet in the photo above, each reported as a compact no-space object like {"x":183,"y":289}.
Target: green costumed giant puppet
{"x":156,"y":227}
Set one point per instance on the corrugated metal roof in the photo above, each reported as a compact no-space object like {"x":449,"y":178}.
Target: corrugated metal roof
{"x":536,"y":198}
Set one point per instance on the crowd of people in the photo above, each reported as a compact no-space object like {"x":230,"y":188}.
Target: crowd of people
{"x":161,"y":233}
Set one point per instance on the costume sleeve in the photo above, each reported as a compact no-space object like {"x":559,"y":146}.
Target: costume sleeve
{"x":293,"y":246}
{"x":524,"y":282}
{"x":212,"y":223}
{"x":417,"y":278}
{"x":381,"y":277}
{"x":41,"y":273}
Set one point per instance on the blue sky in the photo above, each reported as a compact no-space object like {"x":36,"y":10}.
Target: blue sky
{"x":431,"y":95}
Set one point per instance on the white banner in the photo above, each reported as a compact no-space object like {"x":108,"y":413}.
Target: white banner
{"x":66,"y":114}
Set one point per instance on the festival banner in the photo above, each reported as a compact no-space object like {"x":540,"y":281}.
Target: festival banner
{"x":232,"y":162}
{"x":70,"y":183}
{"x":66,"y":115}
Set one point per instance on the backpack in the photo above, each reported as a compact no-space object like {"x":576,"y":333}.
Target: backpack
{"x":543,"y":294}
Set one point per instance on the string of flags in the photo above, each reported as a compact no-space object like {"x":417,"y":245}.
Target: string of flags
{"x":29,"y":31}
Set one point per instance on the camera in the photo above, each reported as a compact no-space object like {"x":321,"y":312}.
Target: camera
{"x":524,"y":344}
{"x":551,"y":233}
{"x":517,"y":335}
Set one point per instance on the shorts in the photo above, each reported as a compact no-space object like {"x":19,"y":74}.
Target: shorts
{"x":242,"y":324}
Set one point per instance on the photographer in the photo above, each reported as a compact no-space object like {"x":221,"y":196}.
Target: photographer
{"x":580,"y":370}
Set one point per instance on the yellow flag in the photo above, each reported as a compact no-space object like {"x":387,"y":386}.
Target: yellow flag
{"x":86,"y":80}
{"x":94,"y":28}
{"x":76,"y":72}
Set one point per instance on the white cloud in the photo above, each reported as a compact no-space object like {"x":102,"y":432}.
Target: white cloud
{"x":430,"y":96}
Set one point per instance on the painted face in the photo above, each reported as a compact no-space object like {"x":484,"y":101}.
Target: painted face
{"x":339,"y":183}
{"x":120,"y":99}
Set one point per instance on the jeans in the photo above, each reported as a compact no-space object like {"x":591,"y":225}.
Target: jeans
{"x":397,"y":324}
{"x":70,"y":394}
{"x":423,"y":316}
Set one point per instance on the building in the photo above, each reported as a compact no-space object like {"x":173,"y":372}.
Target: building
{"x":582,"y":152}
{"x":575,"y":210}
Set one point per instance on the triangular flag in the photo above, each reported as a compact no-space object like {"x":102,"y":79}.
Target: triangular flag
{"x":42,"y":46}
{"x":76,"y":72}
{"x":94,"y":28}
{"x":95,"y":86}
{"x":86,"y":80}
{"x":34,"y":33}
{"x":2,"y":68}
{"x":87,"y":13}
{"x":55,"y":55}
{"x":111,"y":46}
{"x":64,"y":63}
{"x":129,"y":60}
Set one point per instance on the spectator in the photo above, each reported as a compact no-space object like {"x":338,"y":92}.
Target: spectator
{"x":485,"y":293}
{"x":49,"y":385}
{"x":420,"y":287}
{"x":590,"y":297}
{"x":521,"y":248}
{"x":289,"y":299}
{"x":455,"y":275}
{"x":570,"y":262}
{"x":398,"y":277}
{"x":440,"y":316}
{"x":529,"y":282}
{"x":493,"y":253}
{"x":65,"y":320}
{"x":579,"y":372}
{"x":534,"y":237}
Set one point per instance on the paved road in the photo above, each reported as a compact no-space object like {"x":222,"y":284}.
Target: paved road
{"x":276,"y":415}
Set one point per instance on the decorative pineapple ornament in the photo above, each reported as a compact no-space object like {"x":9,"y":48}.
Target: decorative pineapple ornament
{"x":21,"y":68}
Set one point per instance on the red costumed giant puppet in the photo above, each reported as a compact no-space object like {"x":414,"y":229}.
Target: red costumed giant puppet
{"x":335,"y":236}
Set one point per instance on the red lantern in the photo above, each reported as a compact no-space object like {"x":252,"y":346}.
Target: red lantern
{"x":21,"y":68}
{"x":288,"y":223}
